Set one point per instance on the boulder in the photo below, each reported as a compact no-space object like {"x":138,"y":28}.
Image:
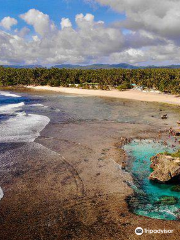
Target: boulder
{"x":166,"y":168}
{"x":164,"y":116}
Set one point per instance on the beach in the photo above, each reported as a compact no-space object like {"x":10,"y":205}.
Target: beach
{"x":128,"y":94}
{"x":66,"y":181}
{"x":90,"y":120}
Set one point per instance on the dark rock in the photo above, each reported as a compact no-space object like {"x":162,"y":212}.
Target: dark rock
{"x":164,"y":116}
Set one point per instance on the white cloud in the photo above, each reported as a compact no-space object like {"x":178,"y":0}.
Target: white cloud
{"x":40,"y":21}
{"x":83,"y":44}
{"x":158,"y":16}
{"x":22,"y":32}
{"x":65,"y":23}
{"x":8,"y":22}
{"x":89,"y":17}
{"x":93,"y":41}
{"x":36,"y":38}
{"x":84,"y":21}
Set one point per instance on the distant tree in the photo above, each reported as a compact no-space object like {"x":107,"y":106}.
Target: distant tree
{"x":165,"y":80}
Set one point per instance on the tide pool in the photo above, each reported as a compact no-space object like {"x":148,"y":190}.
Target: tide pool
{"x":147,"y":193}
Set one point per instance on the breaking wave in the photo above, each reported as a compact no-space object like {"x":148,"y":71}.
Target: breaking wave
{"x":18,"y":126}
{"x":11,"y":108}
{"x":22,"y":128}
{"x":8,"y":94}
{"x":1,"y":193}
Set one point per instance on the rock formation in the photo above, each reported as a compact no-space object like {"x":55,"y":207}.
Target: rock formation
{"x":165,"y":168}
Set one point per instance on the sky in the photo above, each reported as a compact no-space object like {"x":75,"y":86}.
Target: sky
{"x":138,"y":32}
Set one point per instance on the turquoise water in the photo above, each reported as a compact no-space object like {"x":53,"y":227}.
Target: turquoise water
{"x":147,"y":193}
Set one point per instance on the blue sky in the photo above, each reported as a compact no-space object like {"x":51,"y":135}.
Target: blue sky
{"x":89,"y":31}
{"x":57,"y":9}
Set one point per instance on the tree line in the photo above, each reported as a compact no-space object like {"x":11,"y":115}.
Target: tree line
{"x":165,"y":80}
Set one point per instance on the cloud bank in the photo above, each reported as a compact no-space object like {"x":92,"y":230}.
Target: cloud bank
{"x":149,"y":35}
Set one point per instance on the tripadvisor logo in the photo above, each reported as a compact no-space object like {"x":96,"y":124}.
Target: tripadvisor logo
{"x":139,"y":231}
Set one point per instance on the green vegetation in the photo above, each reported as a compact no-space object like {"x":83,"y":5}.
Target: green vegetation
{"x":167,"y":200}
{"x":176,"y":154}
{"x":124,"y":86}
{"x":176,"y":188}
{"x":165,"y":80}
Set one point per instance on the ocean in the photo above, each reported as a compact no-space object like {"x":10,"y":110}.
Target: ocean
{"x":27,"y":152}
{"x":16,"y":124}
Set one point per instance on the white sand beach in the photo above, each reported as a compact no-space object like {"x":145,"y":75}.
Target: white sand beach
{"x":129,"y":94}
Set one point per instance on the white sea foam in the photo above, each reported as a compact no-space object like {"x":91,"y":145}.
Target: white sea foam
{"x":22,"y":128}
{"x":1,"y":193}
{"x":8,"y":94}
{"x":38,"y":105}
{"x":10,"y":108}
{"x":43,"y":106}
{"x":170,"y":212}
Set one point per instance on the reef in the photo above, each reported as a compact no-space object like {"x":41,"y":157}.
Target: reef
{"x":167,"y":200}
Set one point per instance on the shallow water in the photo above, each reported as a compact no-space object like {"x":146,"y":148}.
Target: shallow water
{"x":147,"y":193}
{"x":24,"y":115}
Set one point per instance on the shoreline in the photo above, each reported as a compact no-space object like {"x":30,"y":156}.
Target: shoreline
{"x":76,"y":180}
{"x":128,"y":94}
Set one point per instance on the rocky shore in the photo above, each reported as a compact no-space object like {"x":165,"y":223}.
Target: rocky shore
{"x":69,"y":183}
{"x":166,"y":168}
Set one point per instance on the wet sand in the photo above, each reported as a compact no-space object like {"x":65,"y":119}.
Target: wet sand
{"x":129,"y":94}
{"x":68,"y":184}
